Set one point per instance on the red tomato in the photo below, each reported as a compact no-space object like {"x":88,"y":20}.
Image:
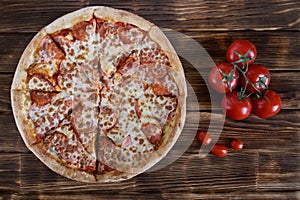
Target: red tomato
{"x":259,"y":76}
{"x":204,"y":138}
{"x":267,"y":106}
{"x":236,"y":108}
{"x":241,"y":51}
{"x":237,"y":144}
{"x":219,"y":150}
{"x":223,"y":78}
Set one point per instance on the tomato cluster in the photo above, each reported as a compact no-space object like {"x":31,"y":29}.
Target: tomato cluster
{"x":245,"y":86}
{"x":245,"y":83}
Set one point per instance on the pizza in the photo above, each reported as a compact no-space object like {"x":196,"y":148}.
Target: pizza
{"x":99,"y":95}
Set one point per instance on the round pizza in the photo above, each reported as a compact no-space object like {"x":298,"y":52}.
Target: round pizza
{"x":99,"y":95}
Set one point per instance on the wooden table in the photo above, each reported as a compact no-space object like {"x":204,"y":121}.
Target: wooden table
{"x":268,"y":167}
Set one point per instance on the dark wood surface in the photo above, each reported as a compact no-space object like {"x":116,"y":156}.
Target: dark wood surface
{"x":268,"y":167}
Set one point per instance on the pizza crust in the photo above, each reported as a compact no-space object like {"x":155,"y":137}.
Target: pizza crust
{"x":116,"y":15}
{"x":113,"y":176}
{"x":20,"y":104}
{"x":85,"y":14}
{"x":157,"y":35}
{"x":124,"y":174}
{"x":68,"y":20}
{"x":57,"y":167}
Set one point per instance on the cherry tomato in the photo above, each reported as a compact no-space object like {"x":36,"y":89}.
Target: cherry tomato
{"x":236,"y":107}
{"x":267,"y":106}
{"x":259,"y":76}
{"x":236,"y":144}
{"x":223,"y":77}
{"x":241,"y":51}
{"x":204,"y":138}
{"x":219,"y":150}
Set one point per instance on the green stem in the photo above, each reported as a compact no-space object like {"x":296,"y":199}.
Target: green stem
{"x":228,"y":77}
{"x":243,"y":89}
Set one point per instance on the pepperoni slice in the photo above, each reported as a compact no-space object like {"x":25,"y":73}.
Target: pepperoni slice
{"x":79,"y":30}
{"x":106,"y":147}
{"x":64,"y":39}
{"x":157,"y":70}
{"x":49,"y":50}
{"x":38,"y":69}
{"x":152,"y":132}
{"x":152,"y":54}
{"x":41,"y":82}
{"x":126,"y":31}
{"x":100,"y":28}
{"x":47,"y":58}
{"x":130,"y":66}
{"x":160,"y":90}
{"x":41,"y":98}
{"x":125,"y":35}
{"x":84,"y":119}
{"x":48,"y":116}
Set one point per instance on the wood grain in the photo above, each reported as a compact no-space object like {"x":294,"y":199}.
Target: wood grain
{"x":175,"y":14}
{"x":5,"y":84}
{"x":279,"y":133}
{"x":9,"y":172}
{"x":235,"y":195}
{"x":162,"y":195}
{"x":12,"y":45}
{"x":10,"y":139}
{"x":191,"y":172}
{"x":271,"y":174}
{"x":267,"y":168}
{"x":278,"y":50}
{"x":31,"y":16}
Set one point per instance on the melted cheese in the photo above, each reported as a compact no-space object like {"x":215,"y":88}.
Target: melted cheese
{"x":38,"y":83}
{"x":104,"y":98}
{"x":158,"y":107}
{"x":169,"y":83}
{"x":72,"y":80}
{"x":50,"y":115}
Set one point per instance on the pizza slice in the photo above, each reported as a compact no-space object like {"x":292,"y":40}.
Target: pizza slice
{"x":43,"y":71}
{"x":120,"y":40}
{"x":40,"y":65}
{"x":84,"y":119}
{"x":62,"y":147}
{"x":124,"y":147}
{"x":39,"y":112}
{"x":79,"y":44}
{"x":154,"y":111}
